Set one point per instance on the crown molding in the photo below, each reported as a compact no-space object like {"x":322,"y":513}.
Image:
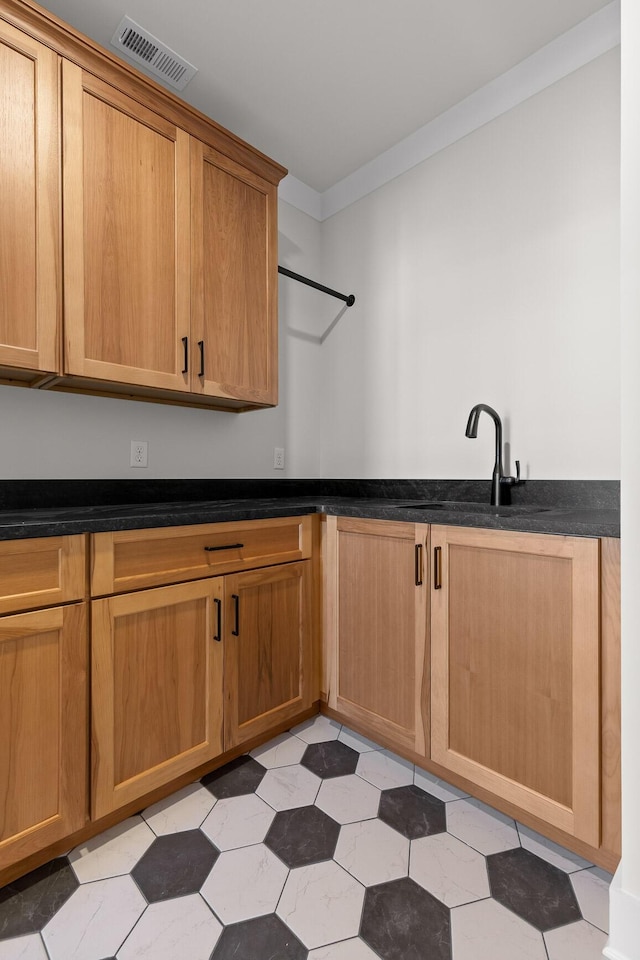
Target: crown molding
{"x":585,"y":42}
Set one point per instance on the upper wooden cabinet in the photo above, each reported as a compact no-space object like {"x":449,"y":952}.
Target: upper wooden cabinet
{"x":515,"y":670}
{"x":126,"y":237}
{"x":234,"y":271}
{"x":29,"y":212}
{"x":169,"y":235}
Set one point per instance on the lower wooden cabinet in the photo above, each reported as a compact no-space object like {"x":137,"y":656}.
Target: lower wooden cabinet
{"x":268,"y":656}
{"x":376,"y":597}
{"x":515,"y":670}
{"x":157,"y":689}
{"x":183,"y":672}
{"x":43,"y":729}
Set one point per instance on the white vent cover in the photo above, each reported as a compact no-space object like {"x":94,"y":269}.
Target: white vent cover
{"x":156,"y":57}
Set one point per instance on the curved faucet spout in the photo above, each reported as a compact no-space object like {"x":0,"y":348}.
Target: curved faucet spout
{"x":472,"y":432}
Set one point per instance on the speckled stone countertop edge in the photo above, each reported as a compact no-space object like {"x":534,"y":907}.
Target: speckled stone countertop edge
{"x":559,"y":520}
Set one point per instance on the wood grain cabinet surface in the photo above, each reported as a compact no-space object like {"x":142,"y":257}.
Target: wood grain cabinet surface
{"x":29,"y":212}
{"x":515,"y":673}
{"x":43,"y":695}
{"x":377,"y":595}
{"x":183,"y":672}
{"x":166,"y":258}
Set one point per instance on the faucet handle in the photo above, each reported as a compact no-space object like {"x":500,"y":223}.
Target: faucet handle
{"x":517,"y":471}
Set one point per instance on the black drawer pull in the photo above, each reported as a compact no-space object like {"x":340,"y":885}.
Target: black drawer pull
{"x":236,"y":600}
{"x":218,"y":634}
{"x":437,"y":568}
{"x":225,"y":546}
{"x":201,"y":370}
{"x":419,"y":573}
{"x":185,"y":344}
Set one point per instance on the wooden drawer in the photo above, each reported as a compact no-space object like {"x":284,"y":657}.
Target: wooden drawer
{"x":41,"y":572}
{"x":134,"y":559}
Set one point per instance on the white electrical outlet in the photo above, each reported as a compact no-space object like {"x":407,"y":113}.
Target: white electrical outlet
{"x":139,"y":453}
{"x":278,"y":458}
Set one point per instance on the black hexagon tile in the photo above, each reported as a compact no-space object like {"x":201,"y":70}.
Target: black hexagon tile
{"x":401,"y":921}
{"x":27,"y":904}
{"x":259,"y":939}
{"x":240,"y":776}
{"x":330,"y":759}
{"x":532,"y":888}
{"x":175,"y":865}
{"x":302,"y":836}
{"x":412,"y":812}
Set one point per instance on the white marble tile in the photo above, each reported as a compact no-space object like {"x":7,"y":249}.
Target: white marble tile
{"x":592,"y":890}
{"x":317,"y":730}
{"x":348,"y":799}
{"x":357,"y":742}
{"x":184,"y":810}
{"x":483,"y":828}
{"x":551,"y":852}
{"x":372,"y":852}
{"x":576,"y":941}
{"x":353,"y":949}
{"x":23,"y":948}
{"x":436,"y":787}
{"x":95,"y":920}
{"x":451,"y":870}
{"x":238,"y":822}
{"x":112,"y":853}
{"x":486,"y":930}
{"x":245,"y":883}
{"x":173,"y":930}
{"x":384,"y":769}
{"x":284,"y":788}
{"x":280,"y":752}
{"x":322,"y":904}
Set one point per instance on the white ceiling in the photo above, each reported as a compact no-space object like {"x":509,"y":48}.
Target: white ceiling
{"x":324,"y":86}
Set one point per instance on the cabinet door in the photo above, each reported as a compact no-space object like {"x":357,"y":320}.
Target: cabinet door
{"x":157,"y":689}
{"x":515,"y":670}
{"x":29,"y":212}
{"x":44,"y":730}
{"x":268,"y":657}
{"x":126,"y":237}
{"x":234,"y":279}
{"x":377,"y":628}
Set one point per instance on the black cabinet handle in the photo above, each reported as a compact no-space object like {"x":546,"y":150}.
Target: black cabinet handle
{"x":225,"y":546}
{"x":236,"y":600}
{"x":437,"y":568}
{"x":185,"y":344}
{"x":201,"y":346}
{"x":418,"y":564}
{"x":218,"y":634}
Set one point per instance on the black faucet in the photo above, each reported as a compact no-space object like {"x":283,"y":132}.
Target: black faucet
{"x":500,"y":485}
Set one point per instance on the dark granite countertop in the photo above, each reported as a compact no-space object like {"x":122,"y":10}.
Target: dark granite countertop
{"x":585,"y":512}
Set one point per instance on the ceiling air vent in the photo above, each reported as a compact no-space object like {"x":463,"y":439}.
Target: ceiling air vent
{"x":156,"y":57}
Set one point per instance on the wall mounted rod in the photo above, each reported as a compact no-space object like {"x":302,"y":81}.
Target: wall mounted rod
{"x":349,"y":299}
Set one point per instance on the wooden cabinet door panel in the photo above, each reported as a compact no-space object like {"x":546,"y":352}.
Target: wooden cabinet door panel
{"x":126,"y":237}
{"x":29,"y":212}
{"x":234,"y":279}
{"x":157,"y":689}
{"x":268,"y":657}
{"x":43,"y":729}
{"x":379,"y":676}
{"x":515,"y":670}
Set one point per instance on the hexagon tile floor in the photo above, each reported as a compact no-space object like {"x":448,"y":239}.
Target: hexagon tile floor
{"x":317,"y":846}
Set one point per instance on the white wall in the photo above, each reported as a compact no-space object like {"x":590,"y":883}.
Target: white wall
{"x":53,"y":436}
{"x":489,"y":273}
{"x":624,"y":941}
